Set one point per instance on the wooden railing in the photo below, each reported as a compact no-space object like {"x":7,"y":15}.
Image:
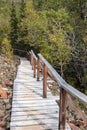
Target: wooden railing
{"x":65,"y":88}
{"x":33,"y":60}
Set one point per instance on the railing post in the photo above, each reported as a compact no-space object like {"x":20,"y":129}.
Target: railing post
{"x":30,"y":57}
{"x":34,"y":67}
{"x":27,"y":55}
{"x":62,"y":111}
{"x":45,"y":82}
{"x":38,"y":69}
{"x":32,"y":61}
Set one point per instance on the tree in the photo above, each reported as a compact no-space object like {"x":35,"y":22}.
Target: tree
{"x":62,"y":49}
{"x":77,"y":12}
{"x":37,"y":25}
{"x":32,"y":28}
{"x":46,"y":4}
{"x":13,"y":27}
{"x":4,"y":19}
{"x":23,"y":29}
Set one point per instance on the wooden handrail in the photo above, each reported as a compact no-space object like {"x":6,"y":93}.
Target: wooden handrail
{"x":34,"y":56}
{"x":33,"y":61}
{"x":65,"y":88}
{"x":62,"y":83}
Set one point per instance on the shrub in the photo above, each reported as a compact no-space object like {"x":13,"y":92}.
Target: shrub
{"x":7,"y":49}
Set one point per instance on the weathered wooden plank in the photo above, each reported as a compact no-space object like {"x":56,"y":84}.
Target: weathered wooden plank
{"x":33,"y":108}
{"x":34,"y":122}
{"x":35,"y":112}
{"x":25,"y":99}
{"x":33,"y":105}
{"x":35,"y":127}
{"x":28,"y":93}
{"x":34,"y":117}
{"x":36,"y":101}
{"x":29,"y":84}
{"x":31,"y":96}
{"x":28,"y":88}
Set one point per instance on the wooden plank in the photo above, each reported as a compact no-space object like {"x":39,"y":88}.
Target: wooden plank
{"x":35,"y":112}
{"x":32,"y":98}
{"x":33,"y":108}
{"x":38,"y":101}
{"x":29,"y":84}
{"x":27,"y":93}
{"x":25,"y":99}
{"x":33,"y":105}
{"x":30,"y":95}
{"x":34,"y":117}
{"x":28,"y":88}
{"x":34,"y":122}
{"x":35,"y":127}
{"x":34,"y":101}
{"x":30,"y":92}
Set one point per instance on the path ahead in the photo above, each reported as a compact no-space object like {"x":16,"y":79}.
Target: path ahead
{"x":30,"y":111}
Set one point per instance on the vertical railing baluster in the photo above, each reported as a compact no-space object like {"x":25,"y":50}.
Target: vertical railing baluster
{"x":32,"y":61}
{"x":34,"y":67}
{"x":45,"y":82}
{"x":38,"y":69}
{"x":30,"y":58}
{"x":62,"y":111}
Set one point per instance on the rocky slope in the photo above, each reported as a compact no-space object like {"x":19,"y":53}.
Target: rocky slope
{"x":7,"y":76}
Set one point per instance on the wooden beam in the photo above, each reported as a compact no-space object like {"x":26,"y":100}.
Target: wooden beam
{"x":34,"y":67}
{"x":38,"y":69}
{"x":45,"y":81}
{"x":62,"y":111}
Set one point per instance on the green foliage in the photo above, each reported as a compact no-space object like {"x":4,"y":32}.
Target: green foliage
{"x":32,"y":28}
{"x":7,"y":49}
{"x":61,"y":47}
{"x":66,"y":35}
{"x":55,"y":28}
{"x":13,"y":26}
{"x":46,"y":4}
{"x":4,"y":18}
{"x":23,"y":28}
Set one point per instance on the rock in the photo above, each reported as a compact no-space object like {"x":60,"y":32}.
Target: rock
{"x":2,"y":106}
{"x":80,"y":123}
{"x":2,"y":123}
{"x":3,"y":93}
{"x":9,"y":94}
{"x":2,"y":113}
{"x":7,"y":125}
{"x":6,"y":101}
{"x":8,"y":106}
{"x":73,"y":127}
{"x":9,"y":84}
{"x":7,"y":117}
{"x":2,"y":128}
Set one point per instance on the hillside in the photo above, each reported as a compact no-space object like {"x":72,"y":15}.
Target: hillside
{"x":7,"y":76}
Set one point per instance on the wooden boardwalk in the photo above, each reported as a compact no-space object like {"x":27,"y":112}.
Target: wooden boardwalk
{"x":30,"y":111}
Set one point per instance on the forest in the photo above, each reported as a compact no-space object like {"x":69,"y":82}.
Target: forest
{"x":55,"y":28}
